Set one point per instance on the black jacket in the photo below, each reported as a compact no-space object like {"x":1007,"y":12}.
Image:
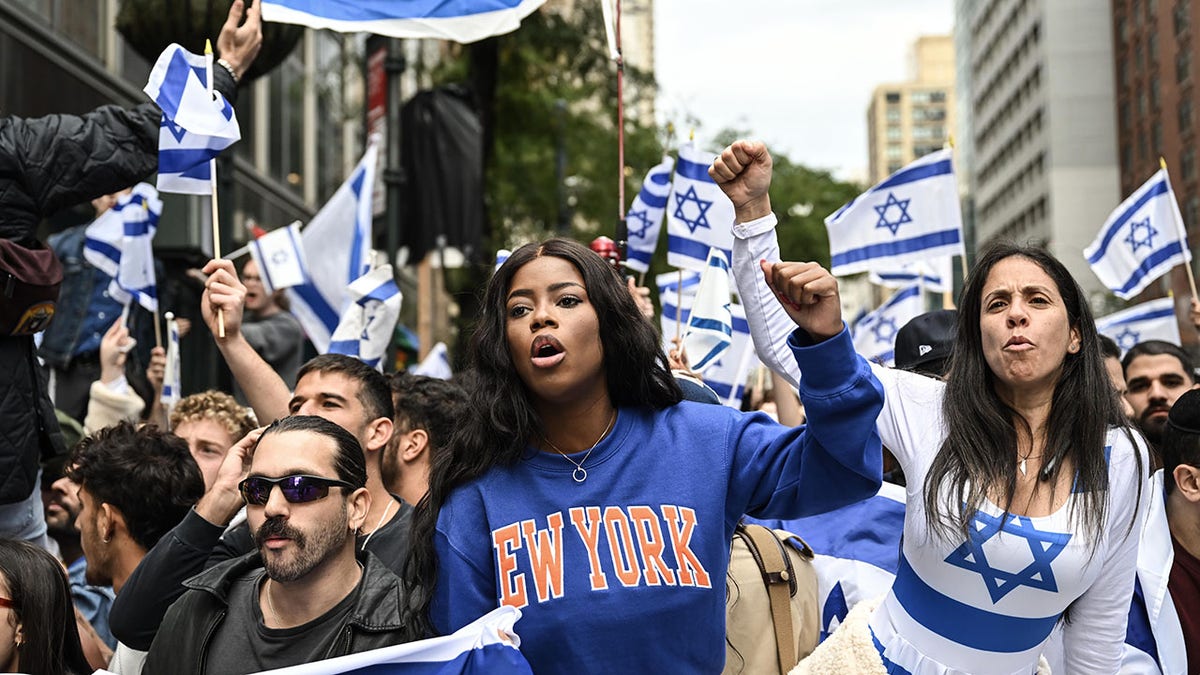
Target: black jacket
{"x":183,"y":642}
{"x":47,"y":164}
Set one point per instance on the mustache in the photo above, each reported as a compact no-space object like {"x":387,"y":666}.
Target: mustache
{"x":277,"y":527}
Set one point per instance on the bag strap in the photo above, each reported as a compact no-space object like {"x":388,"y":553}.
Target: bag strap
{"x":780,"y":578}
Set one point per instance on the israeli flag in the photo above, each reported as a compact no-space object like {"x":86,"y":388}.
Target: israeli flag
{"x":710,"y":325}
{"x":684,"y":282}
{"x":727,"y":376}
{"x":119,"y":243}
{"x":436,"y":363}
{"x":913,"y":215}
{"x":367,"y":325}
{"x":1154,"y":639}
{"x":489,"y":645}
{"x":337,"y":247}
{"x":171,"y":391}
{"x":501,"y":256}
{"x":857,"y":551}
{"x":699,"y":215}
{"x":196,"y":125}
{"x":461,"y":21}
{"x":1154,"y":320}
{"x":875,"y":333}
{"x":280,"y":258}
{"x":645,"y":216}
{"x":1142,"y":239}
{"x":935,"y":275}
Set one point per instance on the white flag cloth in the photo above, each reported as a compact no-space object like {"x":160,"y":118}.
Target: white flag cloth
{"x":337,"y":246}
{"x":120,"y":244}
{"x":727,"y":377}
{"x":1153,"y":320}
{"x":709,"y":329}
{"x":461,"y":21}
{"x":937,"y":274}
{"x":645,"y":216}
{"x":436,"y":363}
{"x":196,"y":126}
{"x":858,"y":551}
{"x":368,"y":323}
{"x":682,"y":281}
{"x":501,"y":256}
{"x":1141,"y":240}
{"x":913,"y":215}
{"x":280,"y":258}
{"x":875,"y":333}
{"x":699,"y":215}
{"x":171,"y":392}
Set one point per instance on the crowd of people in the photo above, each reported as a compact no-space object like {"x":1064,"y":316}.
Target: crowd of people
{"x":576,"y":471}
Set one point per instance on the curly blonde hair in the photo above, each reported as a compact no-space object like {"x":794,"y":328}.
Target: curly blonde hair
{"x":218,"y":406}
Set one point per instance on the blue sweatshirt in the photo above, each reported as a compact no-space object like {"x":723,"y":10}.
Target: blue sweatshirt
{"x":625,"y":572}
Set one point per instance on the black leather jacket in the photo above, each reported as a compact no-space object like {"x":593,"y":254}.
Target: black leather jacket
{"x":185,"y":637}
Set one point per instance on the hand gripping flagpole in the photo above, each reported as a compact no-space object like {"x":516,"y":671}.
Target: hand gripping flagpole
{"x":212,"y":184}
{"x":1187,"y":265}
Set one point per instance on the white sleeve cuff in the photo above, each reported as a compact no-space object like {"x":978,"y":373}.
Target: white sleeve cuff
{"x":755,"y":227}
{"x":118,"y":386}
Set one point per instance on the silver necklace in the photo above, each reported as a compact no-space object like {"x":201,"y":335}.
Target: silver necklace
{"x":386,"y":511}
{"x":580,"y":474}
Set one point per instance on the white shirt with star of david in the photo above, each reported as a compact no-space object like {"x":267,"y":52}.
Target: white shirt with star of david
{"x":989,"y":604}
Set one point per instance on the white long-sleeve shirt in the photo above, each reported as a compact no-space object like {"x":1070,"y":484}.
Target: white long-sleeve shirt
{"x":986,"y":605}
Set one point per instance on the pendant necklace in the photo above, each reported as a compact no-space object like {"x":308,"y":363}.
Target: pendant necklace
{"x":580,"y":474}
{"x":1021,"y":466}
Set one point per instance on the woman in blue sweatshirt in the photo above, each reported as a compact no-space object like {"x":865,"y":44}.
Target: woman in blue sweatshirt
{"x":586,"y":494}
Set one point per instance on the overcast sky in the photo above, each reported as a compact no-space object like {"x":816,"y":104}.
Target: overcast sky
{"x":798,"y":74}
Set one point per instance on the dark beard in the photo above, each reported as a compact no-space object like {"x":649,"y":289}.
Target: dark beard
{"x":308,"y":555}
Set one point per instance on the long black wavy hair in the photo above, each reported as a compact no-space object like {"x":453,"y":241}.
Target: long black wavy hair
{"x":41,"y":597}
{"x":503,"y":419}
{"x":980,"y":450}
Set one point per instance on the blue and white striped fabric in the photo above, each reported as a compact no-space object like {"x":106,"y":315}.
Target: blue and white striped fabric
{"x":875,"y":333}
{"x":935,"y":274}
{"x":196,"y":126}
{"x":699,"y":215}
{"x":727,"y":377}
{"x":171,"y":391}
{"x":1141,"y":240}
{"x":913,"y":215}
{"x":1154,"y":643}
{"x":1153,"y":320}
{"x":436,"y":363}
{"x":646,"y":214}
{"x":119,"y":243}
{"x":857,"y":551}
{"x":460,"y":20}
{"x":366,"y":328}
{"x":686,"y":281}
{"x":337,"y":247}
{"x":280,"y":258}
{"x":709,"y":329}
{"x":487,"y":646}
{"x":501,"y":256}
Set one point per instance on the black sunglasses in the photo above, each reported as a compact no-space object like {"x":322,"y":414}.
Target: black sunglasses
{"x":297,"y":489}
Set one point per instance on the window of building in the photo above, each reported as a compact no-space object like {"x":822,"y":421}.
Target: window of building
{"x":1185,"y":115}
{"x":286,"y":86}
{"x":1143,"y":104}
{"x":893,"y":167}
{"x":919,"y":97}
{"x":1187,"y":164}
{"x":1123,"y":74}
{"x":1156,"y":138}
{"x":892,"y":97}
{"x":1139,"y":58}
{"x":1191,"y":211}
{"x":1154,"y":92}
{"x":1183,"y":64}
{"x":893,"y":115}
{"x":937,"y":97}
{"x":1181,"y":18}
{"x":894,"y":151}
{"x":1152,"y":46}
{"x":894,"y":133}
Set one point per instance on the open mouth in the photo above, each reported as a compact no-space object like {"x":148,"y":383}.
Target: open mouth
{"x":546,"y":351}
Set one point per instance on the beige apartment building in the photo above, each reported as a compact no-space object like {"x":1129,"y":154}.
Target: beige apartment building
{"x":907,"y":120}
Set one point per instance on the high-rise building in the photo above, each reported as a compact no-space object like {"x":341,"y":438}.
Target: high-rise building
{"x":907,"y":120}
{"x":1044,"y":151}
{"x":1155,"y":54}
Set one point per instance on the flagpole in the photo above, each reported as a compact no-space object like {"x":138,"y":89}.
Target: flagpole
{"x":1187,"y":265}
{"x":212,"y":184}
{"x":679,"y":309}
{"x":622,"y":225}
{"x":157,"y":331}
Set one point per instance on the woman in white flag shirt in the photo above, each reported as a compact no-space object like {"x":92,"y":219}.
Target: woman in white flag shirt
{"x":1024,"y":481}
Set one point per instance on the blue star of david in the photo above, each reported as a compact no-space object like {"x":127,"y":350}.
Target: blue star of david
{"x":1128,"y":338}
{"x":279,"y":257}
{"x":177,"y":131}
{"x":886,"y":207}
{"x":885,"y":330}
{"x":690,"y":196}
{"x":639,"y":216}
{"x":1045,"y":547}
{"x":1147,"y":241}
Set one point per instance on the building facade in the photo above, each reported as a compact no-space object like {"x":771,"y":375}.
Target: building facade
{"x":1042,"y":124}
{"x":907,"y":120}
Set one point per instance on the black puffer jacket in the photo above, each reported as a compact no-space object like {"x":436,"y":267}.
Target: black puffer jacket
{"x":47,"y":164}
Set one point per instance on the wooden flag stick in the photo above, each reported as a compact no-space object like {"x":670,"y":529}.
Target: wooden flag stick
{"x":158,"y":330}
{"x":212,"y":184}
{"x":679,"y":311}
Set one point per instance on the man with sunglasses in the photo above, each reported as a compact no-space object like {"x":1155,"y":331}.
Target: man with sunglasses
{"x":308,"y":593}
